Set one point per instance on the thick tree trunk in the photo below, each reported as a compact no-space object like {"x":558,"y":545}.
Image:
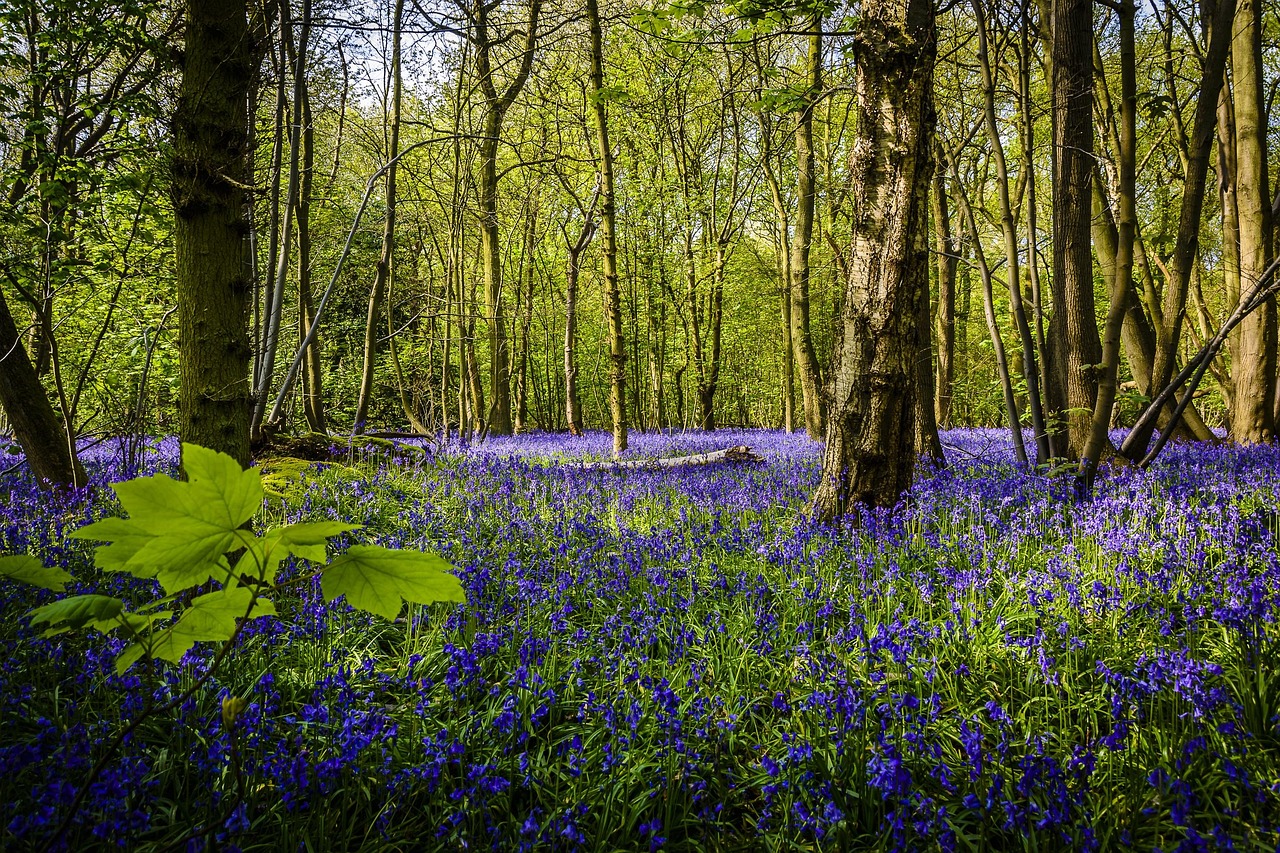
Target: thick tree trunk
{"x":210,"y":132}
{"x":806,"y":193}
{"x":1253,"y":366}
{"x":870,"y":453}
{"x":1073,"y":337}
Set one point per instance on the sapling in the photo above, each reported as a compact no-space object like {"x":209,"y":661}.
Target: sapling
{"x":194,"y":536}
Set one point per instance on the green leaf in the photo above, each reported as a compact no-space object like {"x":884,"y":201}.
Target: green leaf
{"x":132,"y":623}
{"x":29,"y":570}
{"x":308,"y":540}
{"x":178,"y":531}
{"x":124,"y":539}
{"x":211,"y":617}
{"x":77,"y":611}
{"x":376,"y":579}
{"x":263,"y":554}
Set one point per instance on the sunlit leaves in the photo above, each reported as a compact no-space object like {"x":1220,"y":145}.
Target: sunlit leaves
{"x":31,"y":571}
{"x":186,"y":533}
{"x":377,"y":579}
{"x":77,"y":611}
{"x":177,"y":531}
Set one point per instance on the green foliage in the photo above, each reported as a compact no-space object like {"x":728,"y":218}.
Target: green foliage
{"x":193,"y":536}
{"x":31,"y":571}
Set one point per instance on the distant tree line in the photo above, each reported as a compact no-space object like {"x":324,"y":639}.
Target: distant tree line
{"x":235,"y":218}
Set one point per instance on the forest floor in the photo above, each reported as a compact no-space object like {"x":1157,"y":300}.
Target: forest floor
{"x":679,"y":659}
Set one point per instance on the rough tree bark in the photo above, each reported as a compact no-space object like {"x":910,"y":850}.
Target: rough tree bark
{"x":870,"y":453}
{"x":210,"y":132}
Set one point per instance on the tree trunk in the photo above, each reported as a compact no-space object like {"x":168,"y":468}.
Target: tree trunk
{"x":1253,"y":366}
{"x":608,"y":232}
{"x":1074,"y":344}
{"x":274,"y":316}
{"x":210,"y":132}
{"x":989,"y":311}
{"x":870,"y":453}
{"x":526,"y":315}
{"x":1212,"y":99}
{"x":572,"y":403}
{"x":1122,"y":273}
{"x":49,"y":450}
{"x":312,"y":364}
{"x":1008,"y":226}
{"x":948,"y":252}
{"x":806,"y":192}
{"x":382,"y":272}
{"x":495,"y":110}
{"x":927,"y":441}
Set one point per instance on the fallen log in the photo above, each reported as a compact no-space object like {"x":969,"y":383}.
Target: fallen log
{"x":731,"y":455}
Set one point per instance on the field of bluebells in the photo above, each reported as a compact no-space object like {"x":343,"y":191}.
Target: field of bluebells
{"x":681,"y":660}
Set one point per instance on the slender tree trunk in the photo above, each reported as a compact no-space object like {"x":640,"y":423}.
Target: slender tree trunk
{"x":572,"y":401}
{"x":495,"y":110}
{"x":608,"y":233}
{"x":1122,"y":273}
{"x":274,"y":316}
{"x":927,"y":441}
{"x":709,"y":375}
{"x":870,"y":453}
{"x":948,"y":252}
{"x":526,"y":315}
{"x":806,"y":194}
{"x":788,"y":348}
{"x":312,"y":364}
{"x":1008,"y":226}
{"x":383,"y":270}
{"x":1213,"y":97}
{"x":782,"y":243}
{"x":1253,"y":366}
{"x":657,"y":317}
{"x":989,"y":311}
{"x":210,"y":131}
